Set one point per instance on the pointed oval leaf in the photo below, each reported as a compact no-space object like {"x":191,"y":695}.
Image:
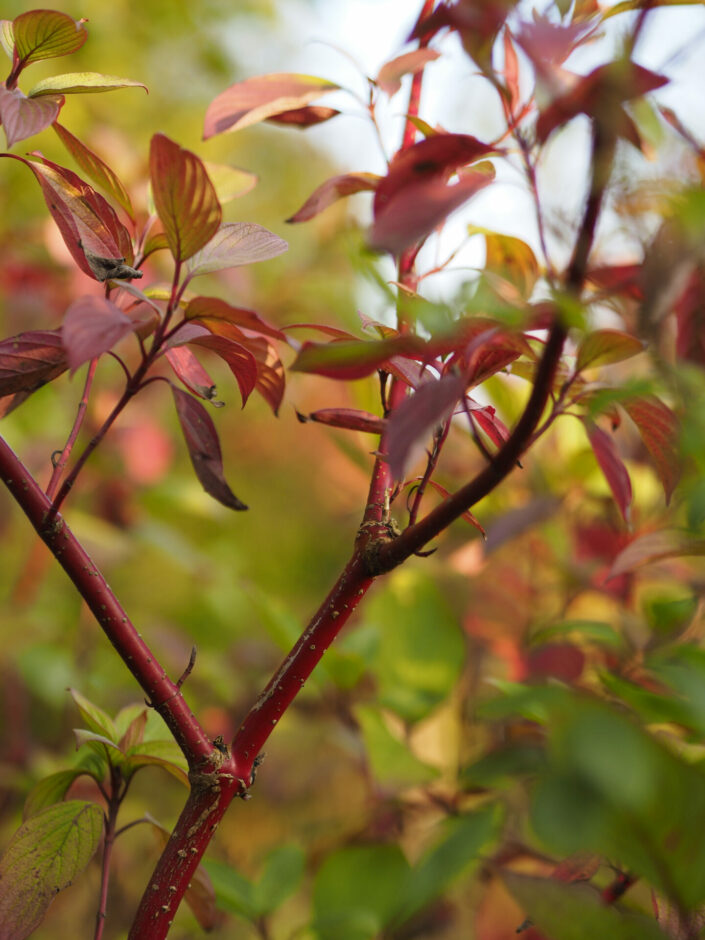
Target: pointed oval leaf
{"x":50,"y":790}
{"x":192,"y":374}
{"x":159,"y":753}
{"x":658,"y":428}
{"x":240,"y":360}
{"x":259,"y":98}
{"x":337,"y":187}
{"x":229,"y":182}
{"x":414,"y":420}
{"x":304,"y":117}
{"x":81,"y":83}
{"x":390,"y":75}
{"x":95,"y":718}
{"x":30,"y":360}
{"x":612,"y":467}
{"x":351,"y":419}
{"x":184,"y":197}
{"x":44,"y":856}
{"x":95,"y":169}
{"x":87,"y":222}
{"x":204,"y":448}
{"x":513,"y":260}
{"x":603,"y":347}
{"x":45,"y":34}
{"x":352,"y":359}
{"x":23,"y":117}
{"x":655,"y":546}
{"x":92,"y":325}
{"x":235,"y":244}
{"x":213,"y":308}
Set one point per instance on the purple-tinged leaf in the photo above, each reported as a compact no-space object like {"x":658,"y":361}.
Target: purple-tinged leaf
{"x":351,"y":419}
{"x":192,"y":374}
{"x":42,"y":858}
{"x":486,"y":417}
{"x":655,"y":546}
{"x":204,"y":448}
{"x":658,"y":427}
{"x":612,"y":467}
{"x":45,"y":34}
{"x":415,"y":210}
{"x":259,"y":98}
{"x":81,"y":83}
{"x":30,"y":360}
{"x":92,"y":325}
{"x":240,"y":360}
{"x":235,"y":244}
{"x":305,"y":117}
{"x":87,"y":222}
{"x":213,"y":308}
{"x":95,"y":169}
{"x":603,"y":347}
{"x":184,"y":197}
{"x":391,"y":73}
{"x":335,"y":188}
{"x":23,"y":117}
{"x":414,"y":420}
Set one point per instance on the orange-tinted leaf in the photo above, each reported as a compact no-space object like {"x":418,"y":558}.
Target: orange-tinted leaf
{"x":257,"y":99}
{"x":414,"y":420}
{"x":511,"y":73}
{"x":87,"y":222}
{"x":44,"y":34}
{"x":92,"y":325}
{"x":603,"y":347}
{"x":235,"y":244}
{"x":23,"y":117}
{"x":658,"y":428}
{"x":349,"y":418}
{"x":511,"y":259}
{"x":184,"y":197}
{"x":192,"y":373}
{"x":95,"y":169}
{"x":335,"y":188}
{"x":655,"y":546}
{"x":30,"y":360}
{"x":304,"y":117}
{"x":389,"y":76}
{"x":239,"y":359}
{"x":270,"y":371}
{"x":213,"y":308}
{"x":467,"y":515}
{"x":612,"y":467}
{"x":204,"y":448}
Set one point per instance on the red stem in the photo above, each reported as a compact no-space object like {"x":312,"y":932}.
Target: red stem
{"x":108,"y":843}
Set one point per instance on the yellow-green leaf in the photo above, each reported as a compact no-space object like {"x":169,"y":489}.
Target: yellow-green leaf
{"x":81,"y":83}
{"x":44,"y":34}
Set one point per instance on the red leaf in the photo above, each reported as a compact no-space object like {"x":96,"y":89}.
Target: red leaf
{"x":349,"y":418}
{"x":414,"y":211}
{"x":204,"y":448}
{"x":87,"y":222}
{"x":690,"y":317}
{"x":184,"y":197}
{"x":30,"y":360}
{"x":560,"y":661}
{"x":259,"y":98}
{"x":546,"y":42}
{"x":619,"y":278}
{"x":353,"y":359}
{"x":409,"y":63}
{"x":603,"y":347}
{"x":493,"y":427}
{"x":415,"y":419}
{"x":23,"y":117}
{"x":92,"y":325}
{"x":612,"y":467}
{"x":304,"y":117}
{"x":655,"y":546}
{"x":192,"y":373}
{"x":95,"y":169}
{"x":658,"y":428}
{"x":212,"y":308}
{"x":240,"y":360}
{"x":270,"y":371}
{"x":511,"y":73}
{"x":45,"y":34}
{"x":335,"y":188}
{"x":600,"y":95}
{"x":467,"y":515}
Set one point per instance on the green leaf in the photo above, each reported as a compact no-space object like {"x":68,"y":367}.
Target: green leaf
{"x":283,"y":870}
{"x":44,"y":34}
{"x":575,"y":911}
{"x":603,"y":347}
{"x":595,"y":630}
{"x":97,"y":742}
{"x":502,"y":766}
{"x":257,"y":99}
{"x":233,"y":891}
{"x":184,"y":197}
{"x":50,"y":790}
{"x":463,"y":841}
{"x":392,"y":763}
{"x":95,"y":718}
{"x":356,"y":891}
{"x":7,"y":36}
{"x":95,"y":169}
{"x":165,"y":754}
{"x":44,"y":856}
{"x":81,"y":83}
